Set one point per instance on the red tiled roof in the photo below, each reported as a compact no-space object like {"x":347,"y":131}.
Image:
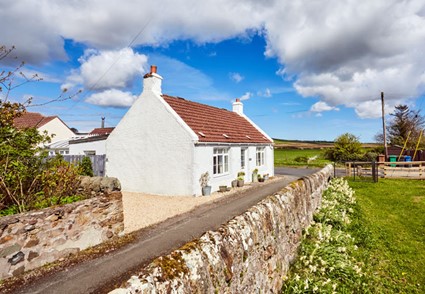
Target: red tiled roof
{"x":32,"y":120}
{"x":101,"y":131}
{"x":213,"y":124}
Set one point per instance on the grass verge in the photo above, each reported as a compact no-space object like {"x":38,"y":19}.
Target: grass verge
{"x":392,"y":211}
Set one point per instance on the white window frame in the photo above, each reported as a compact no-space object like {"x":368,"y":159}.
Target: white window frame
{"x":260,"y":156}
{"x":220,"y":161}
{"x":243,"y":158}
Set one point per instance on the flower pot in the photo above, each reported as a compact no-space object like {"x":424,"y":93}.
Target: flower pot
{"x":234,"y":183}
{"x":222,"y":188}
{"x":261,"y":180}
{"x":254,"y":178}
{"x":240,"y":183}
{"x":206,"y":190}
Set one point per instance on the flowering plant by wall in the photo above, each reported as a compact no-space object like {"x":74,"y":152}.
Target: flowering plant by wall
{"x":326,"y":262}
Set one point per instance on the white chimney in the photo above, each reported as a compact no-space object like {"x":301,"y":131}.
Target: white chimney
{"x":238,"y":106}
{"x":152,"y":81}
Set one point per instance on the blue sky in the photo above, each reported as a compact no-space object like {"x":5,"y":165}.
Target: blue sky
{"x":304,"y":71}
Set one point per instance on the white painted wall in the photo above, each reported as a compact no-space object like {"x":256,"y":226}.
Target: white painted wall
{"x":58,"y":128}
{"x":151,"y":150}
{"x":79,"y":148}
{"x":203,"y":161}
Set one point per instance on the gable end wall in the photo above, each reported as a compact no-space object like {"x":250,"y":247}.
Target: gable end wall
{"x":150,"y":151}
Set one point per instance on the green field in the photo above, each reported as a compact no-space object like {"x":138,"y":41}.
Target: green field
{"x":296,"y":157}
{"x":392,"y":215}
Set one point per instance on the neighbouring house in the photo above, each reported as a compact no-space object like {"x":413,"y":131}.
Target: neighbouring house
{"x":164,"y":144}
{"x":93,"y":144}
{"x":59,"y":132}
{"x":54,"y":126}
{"x":58,"y":147}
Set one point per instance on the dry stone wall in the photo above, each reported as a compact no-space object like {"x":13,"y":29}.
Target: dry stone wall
{"x":249,"y":254}
{"x":29,"y":240}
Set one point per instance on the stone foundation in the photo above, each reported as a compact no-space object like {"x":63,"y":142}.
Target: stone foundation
{"x":29,"y":240}
{"x":249,"y":254}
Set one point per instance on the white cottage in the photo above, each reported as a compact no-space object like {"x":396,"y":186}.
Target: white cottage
{"x":163,"y":144}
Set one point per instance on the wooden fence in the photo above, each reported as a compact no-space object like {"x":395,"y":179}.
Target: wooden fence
{"x":97,"y":161}
{"x":396,"y":170}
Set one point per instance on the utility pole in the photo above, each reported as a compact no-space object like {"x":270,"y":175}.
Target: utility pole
{"x":383,"y":126}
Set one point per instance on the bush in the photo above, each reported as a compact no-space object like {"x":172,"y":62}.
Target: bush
{"x":347,"y":147}
{"x":370,"y":156}
{"x":27,"y":175}
{"x":86,"y":168}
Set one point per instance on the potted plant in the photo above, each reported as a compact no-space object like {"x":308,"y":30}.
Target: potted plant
{"x":203,"y":180}
{"x":240,"y":179}
{"x":255,"y":175}
{"x":234,"y":183}
{"x":260,"y":179}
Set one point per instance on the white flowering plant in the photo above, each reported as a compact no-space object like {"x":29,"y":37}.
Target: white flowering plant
{"x":326,"y":262}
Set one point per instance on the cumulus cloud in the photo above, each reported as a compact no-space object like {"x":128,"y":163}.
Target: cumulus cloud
{"x":344,"y":52}
{"x":348,"y":53}
{"x":322,"y":106}
{"x":96,"y":71}
{"x":236,"y":77}
{"x":246,"y":96}
{"x":38,"y":28}
{"x":112,"y":97}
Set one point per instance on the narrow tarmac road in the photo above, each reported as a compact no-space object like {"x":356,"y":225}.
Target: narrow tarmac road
{"x":105,"y":273}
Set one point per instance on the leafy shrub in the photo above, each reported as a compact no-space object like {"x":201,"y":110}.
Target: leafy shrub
{"x":86,"y":168}
{"x":59,"y":179}
{"x":370,"y":156}
{"x":346,"y":147}
{"x":27,"y":175}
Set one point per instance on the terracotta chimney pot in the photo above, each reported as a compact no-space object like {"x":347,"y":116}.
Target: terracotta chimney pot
{"x":153,"y":69}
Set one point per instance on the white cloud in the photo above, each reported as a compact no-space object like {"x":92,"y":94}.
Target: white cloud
{"x":246,"y":96}
{"x":267,"y":93}
{"x":107,"y":69}
{"x":236,"y":77}
{"x":112,"y":97}
{"x":342,"y":51}
{"x":322,"y":106}
{"x":348,"y":53}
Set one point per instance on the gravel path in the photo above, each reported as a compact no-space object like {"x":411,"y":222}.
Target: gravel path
{"x":142,"y":210}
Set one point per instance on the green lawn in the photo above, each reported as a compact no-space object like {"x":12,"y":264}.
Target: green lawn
{"x":392,"y":217}
{"x":294,"y":157}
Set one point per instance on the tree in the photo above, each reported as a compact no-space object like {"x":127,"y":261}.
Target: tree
{"x":405,"y":120}
{"x":26,"y":174}
{"x":346,"y":147}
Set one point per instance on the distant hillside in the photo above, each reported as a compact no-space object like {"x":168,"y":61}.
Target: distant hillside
{"x":300,"y":144}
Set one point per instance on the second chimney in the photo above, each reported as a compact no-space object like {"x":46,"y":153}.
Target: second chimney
{"x":238,"y":106}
